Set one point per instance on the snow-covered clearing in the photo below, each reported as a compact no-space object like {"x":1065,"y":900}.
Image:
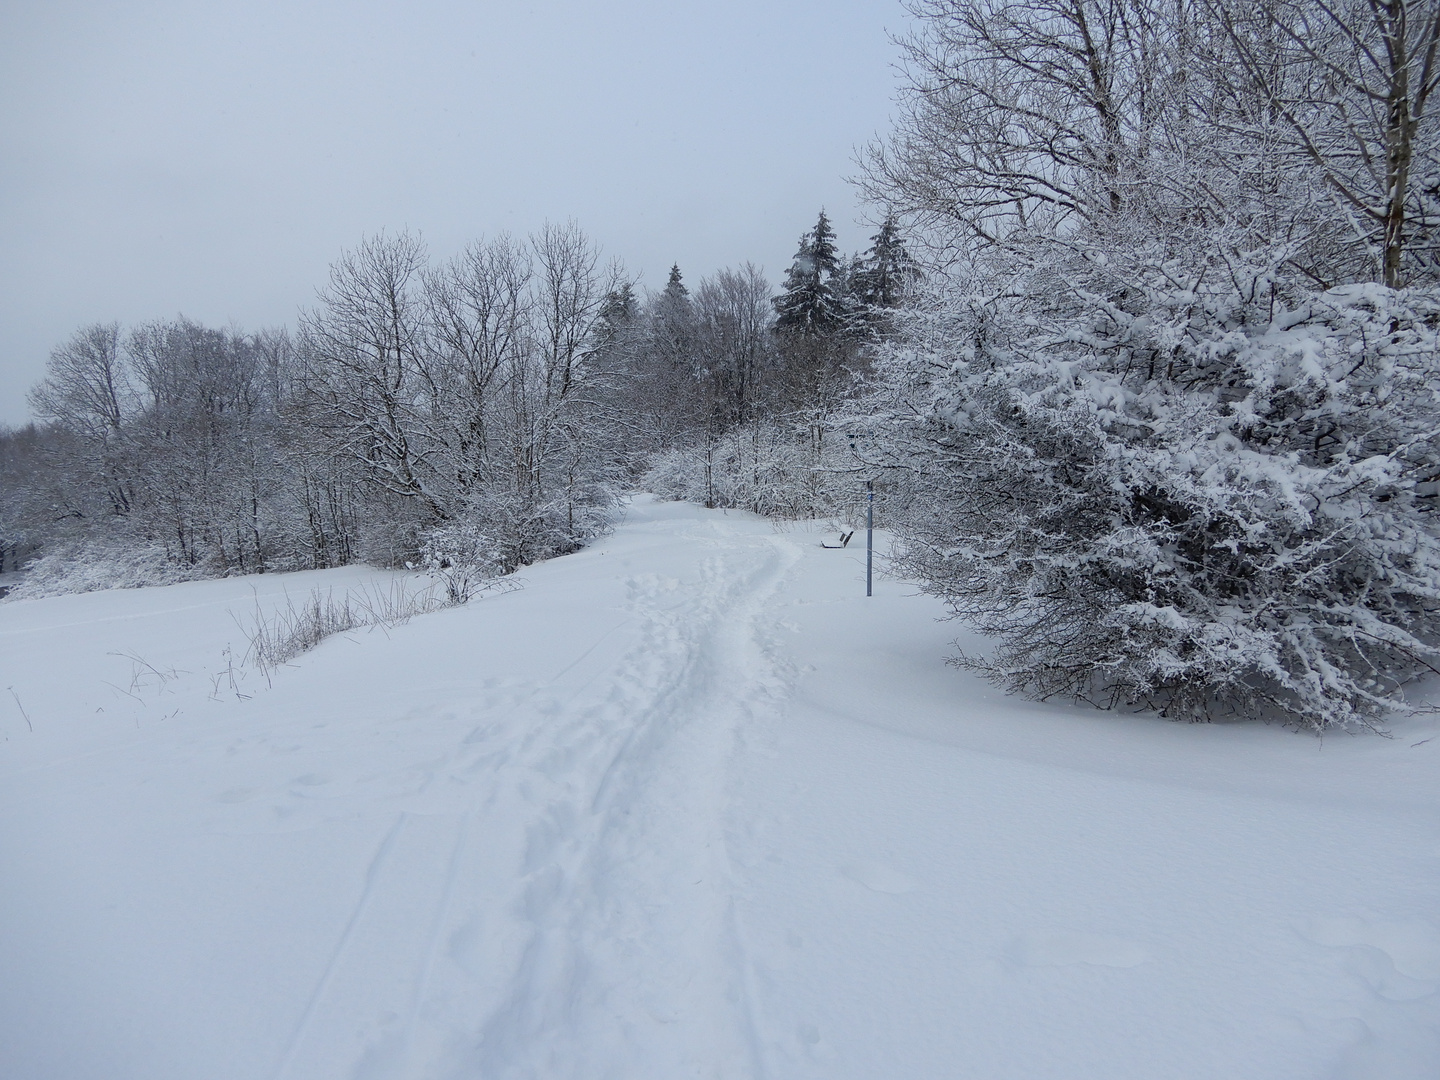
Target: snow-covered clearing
{"x":687,"y":804}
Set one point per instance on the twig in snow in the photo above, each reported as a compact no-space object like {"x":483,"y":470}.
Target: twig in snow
{"x":21,"y":708}
{"x":127,"y":693}
{"x":139,"y":667}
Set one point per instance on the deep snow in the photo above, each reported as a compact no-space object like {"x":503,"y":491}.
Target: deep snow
{"x":686,"y":804}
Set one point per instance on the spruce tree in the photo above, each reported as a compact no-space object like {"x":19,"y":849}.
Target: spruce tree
{"x":619,"y":308}
{"x":674,"y":320}
{"x":887,"y":269}
{"x":616,"y":329}
{"x":850,"y":286}
{"x":809,"y":305}
{"x":675,"y":294}
{"x":822,"y":247}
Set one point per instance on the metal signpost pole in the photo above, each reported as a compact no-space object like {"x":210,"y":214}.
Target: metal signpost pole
{"x":869,"y":533}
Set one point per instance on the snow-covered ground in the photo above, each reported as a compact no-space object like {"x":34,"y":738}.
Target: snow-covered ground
{"x":687,"y":804}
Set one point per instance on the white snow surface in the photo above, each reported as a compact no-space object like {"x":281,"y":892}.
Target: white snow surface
{"x":686,"y":804}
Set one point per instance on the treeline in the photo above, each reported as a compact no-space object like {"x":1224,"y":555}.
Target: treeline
{"x":489,"y":410}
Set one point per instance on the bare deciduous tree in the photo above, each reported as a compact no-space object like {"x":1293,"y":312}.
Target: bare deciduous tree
{"x":1024,"y":116}
{"x":85,"y":385}
{"x":1345,"y":89}
{"x":365,"y":343}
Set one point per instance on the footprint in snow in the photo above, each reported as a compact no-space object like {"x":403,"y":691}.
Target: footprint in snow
{"x":1064,"y":949}
{"x":1399,"y":960}
{"x":879,"y":877}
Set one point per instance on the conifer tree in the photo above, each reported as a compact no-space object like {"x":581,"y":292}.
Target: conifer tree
{"x":620,"y":303}
{"x":822,"y":246}
{"x":887,"y":270}
{"x":809,"y":305}
{"x":674,"y":319}
{"x":675,"y":294}
{"x":618,"y":313}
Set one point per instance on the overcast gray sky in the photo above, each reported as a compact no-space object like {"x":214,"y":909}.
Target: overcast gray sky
{"x":212,"y":159}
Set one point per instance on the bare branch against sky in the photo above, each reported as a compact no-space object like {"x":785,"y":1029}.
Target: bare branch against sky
{"x":212,"y":159}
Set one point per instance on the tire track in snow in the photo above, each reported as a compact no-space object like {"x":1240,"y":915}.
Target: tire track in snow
{"x":635,"y":962}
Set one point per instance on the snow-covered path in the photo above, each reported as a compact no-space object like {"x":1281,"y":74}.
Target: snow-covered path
{"x":687,"y":804}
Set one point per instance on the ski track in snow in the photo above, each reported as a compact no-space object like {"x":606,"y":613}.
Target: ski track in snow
{"x":691,"y":806}
{"x":367,"y":890}
{"x":616,"y":914}
{"x":625,"y":954}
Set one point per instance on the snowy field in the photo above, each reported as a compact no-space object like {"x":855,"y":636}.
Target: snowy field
{"x":686,"y":804}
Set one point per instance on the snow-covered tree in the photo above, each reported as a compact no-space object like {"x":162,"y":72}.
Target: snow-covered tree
{"x":880,"y":280}
{"x":1205,"y":507}
{"x":886,"y":273}
{"x":808,"y":304}
{"x":471,"y":392}
{"x":1341,"y":93}
{"x":734,"y":341}
{"x":1149,"y":444}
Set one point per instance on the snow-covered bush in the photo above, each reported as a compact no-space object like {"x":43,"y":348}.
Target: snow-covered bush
{"x":502,"y":532}
{"x":390,"y":540}
{"x":103,"y":561}
{"x":1195,"y":499}
{"x":463,"y":557}
{"x":766,"y":467}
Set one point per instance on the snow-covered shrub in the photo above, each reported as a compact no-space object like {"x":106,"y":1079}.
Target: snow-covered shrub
{"x":463,"y":557}
{"x":503,"y":531}
{"x":1198,"y":499}
{"x":389,"y":539}
{"x":103,"y":561}
{"x":766,"y":467}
